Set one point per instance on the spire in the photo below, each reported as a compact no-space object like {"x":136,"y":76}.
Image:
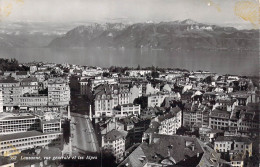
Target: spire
{"x":68,"y":111}
{"x":90,"y":113}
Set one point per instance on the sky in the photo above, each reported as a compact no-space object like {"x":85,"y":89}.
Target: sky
{"x":219,"y":12}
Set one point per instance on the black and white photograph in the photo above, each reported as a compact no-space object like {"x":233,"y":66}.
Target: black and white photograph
{"x":129,"y":83}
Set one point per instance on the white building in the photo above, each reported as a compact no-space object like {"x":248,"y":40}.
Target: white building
{"x":33,"y":101}
{"x":1,"y":102}
{"x":126,"y":110}
{"x":109,"y":96}
{"x":233,"y":143}
{"x":53,"y":125}
{"x":102,"y":80}
{"x":158,"y":98}
{"x":58,"y":92}
{"x":170,"y":122}
{"x":11,"y":91}
{"x":115,"y":141}
{"x":136,"y":73}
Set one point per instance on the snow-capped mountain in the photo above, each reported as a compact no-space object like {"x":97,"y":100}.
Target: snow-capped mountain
{"x":185,"y":34}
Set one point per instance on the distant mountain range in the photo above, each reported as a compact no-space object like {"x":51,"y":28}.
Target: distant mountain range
{"x":26,"y":34}
{"x":186,"y":34}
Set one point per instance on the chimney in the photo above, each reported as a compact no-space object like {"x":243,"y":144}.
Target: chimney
{"x":169,"y":150}
{"x":192,"y":147}
{"x":198,"y":154}
{"x":169,"y":153}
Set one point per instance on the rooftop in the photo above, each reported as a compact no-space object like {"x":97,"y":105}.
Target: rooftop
{"x":23,"y":135}
{"x":9,"y":80}
{"x":14,"y":116}
{"x":234,"y":138}
{"x":115,"y":135}
{"x":171,"y":148}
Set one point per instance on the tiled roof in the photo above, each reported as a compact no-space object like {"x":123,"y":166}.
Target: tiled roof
{"x":133,"y":160}
{"x":115,"y":135}
{"x":21,"y":72}
{"x":31,"y":79}
{"x":9,"y":80}
{"x":175,"y":146}
{"x":234,"y":138}
{"x":166,"y":116}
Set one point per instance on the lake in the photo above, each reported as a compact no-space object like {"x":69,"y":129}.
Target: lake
{"x":223,"y":62}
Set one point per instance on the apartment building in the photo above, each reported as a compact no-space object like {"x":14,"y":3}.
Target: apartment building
{"x":33,"y":101}
{"x":11,"y":92}
{"x":126,"y":110}
{"x":29,"y":85}
{"x":219,"y":118}
{"x":195,"y":115}
{"x":58,"y":92}
{"x":1,"y":102}
{"x":158,"y":98}
{"x":84,"y":86}
{"x":233,"y":144}
{"x":170,"y":122}
{"x":114,"y":140}
{"x":109,"y":96}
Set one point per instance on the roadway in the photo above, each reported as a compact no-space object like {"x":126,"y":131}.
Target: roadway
{"x":83,"y":135}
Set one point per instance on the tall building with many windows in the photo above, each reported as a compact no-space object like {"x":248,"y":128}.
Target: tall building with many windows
{"x":11,"y":91}
{"x":1,"y":102}
{"x":109,"y":96}
{"x":115,"y":141}
{"x":58,"y":92}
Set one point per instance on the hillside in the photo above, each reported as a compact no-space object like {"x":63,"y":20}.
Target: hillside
{"x":185,"y":34}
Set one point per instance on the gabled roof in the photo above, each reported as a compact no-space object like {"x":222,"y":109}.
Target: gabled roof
{"x":234,"y":138}
{"x":31,"y":79}
{"x":22,"y":73}
{"x":9,"y":80}
{"x":165,"y":147}
{"x":115,"y":135}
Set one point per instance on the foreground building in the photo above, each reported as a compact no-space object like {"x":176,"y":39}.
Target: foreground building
{"x":115,"y":142}
{"x":168,"y":150}
{"x":13,"y":144}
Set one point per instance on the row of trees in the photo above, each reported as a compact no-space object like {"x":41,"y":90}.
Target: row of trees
{"x":11,"y":65}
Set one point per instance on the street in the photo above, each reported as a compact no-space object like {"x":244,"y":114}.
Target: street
{"x":83,"y":135}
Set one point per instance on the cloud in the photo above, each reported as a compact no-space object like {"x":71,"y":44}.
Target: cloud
{"x":130,"y":10}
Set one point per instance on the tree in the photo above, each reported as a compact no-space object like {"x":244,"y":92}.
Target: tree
{"x":208,"y":80}
{"x":143,"y":101}
{"x":11,"y":65}
{"x":66,"y":131}
{"x":106,"y":74}
{"x":182,"y":130}
{"x":155,"y":74}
